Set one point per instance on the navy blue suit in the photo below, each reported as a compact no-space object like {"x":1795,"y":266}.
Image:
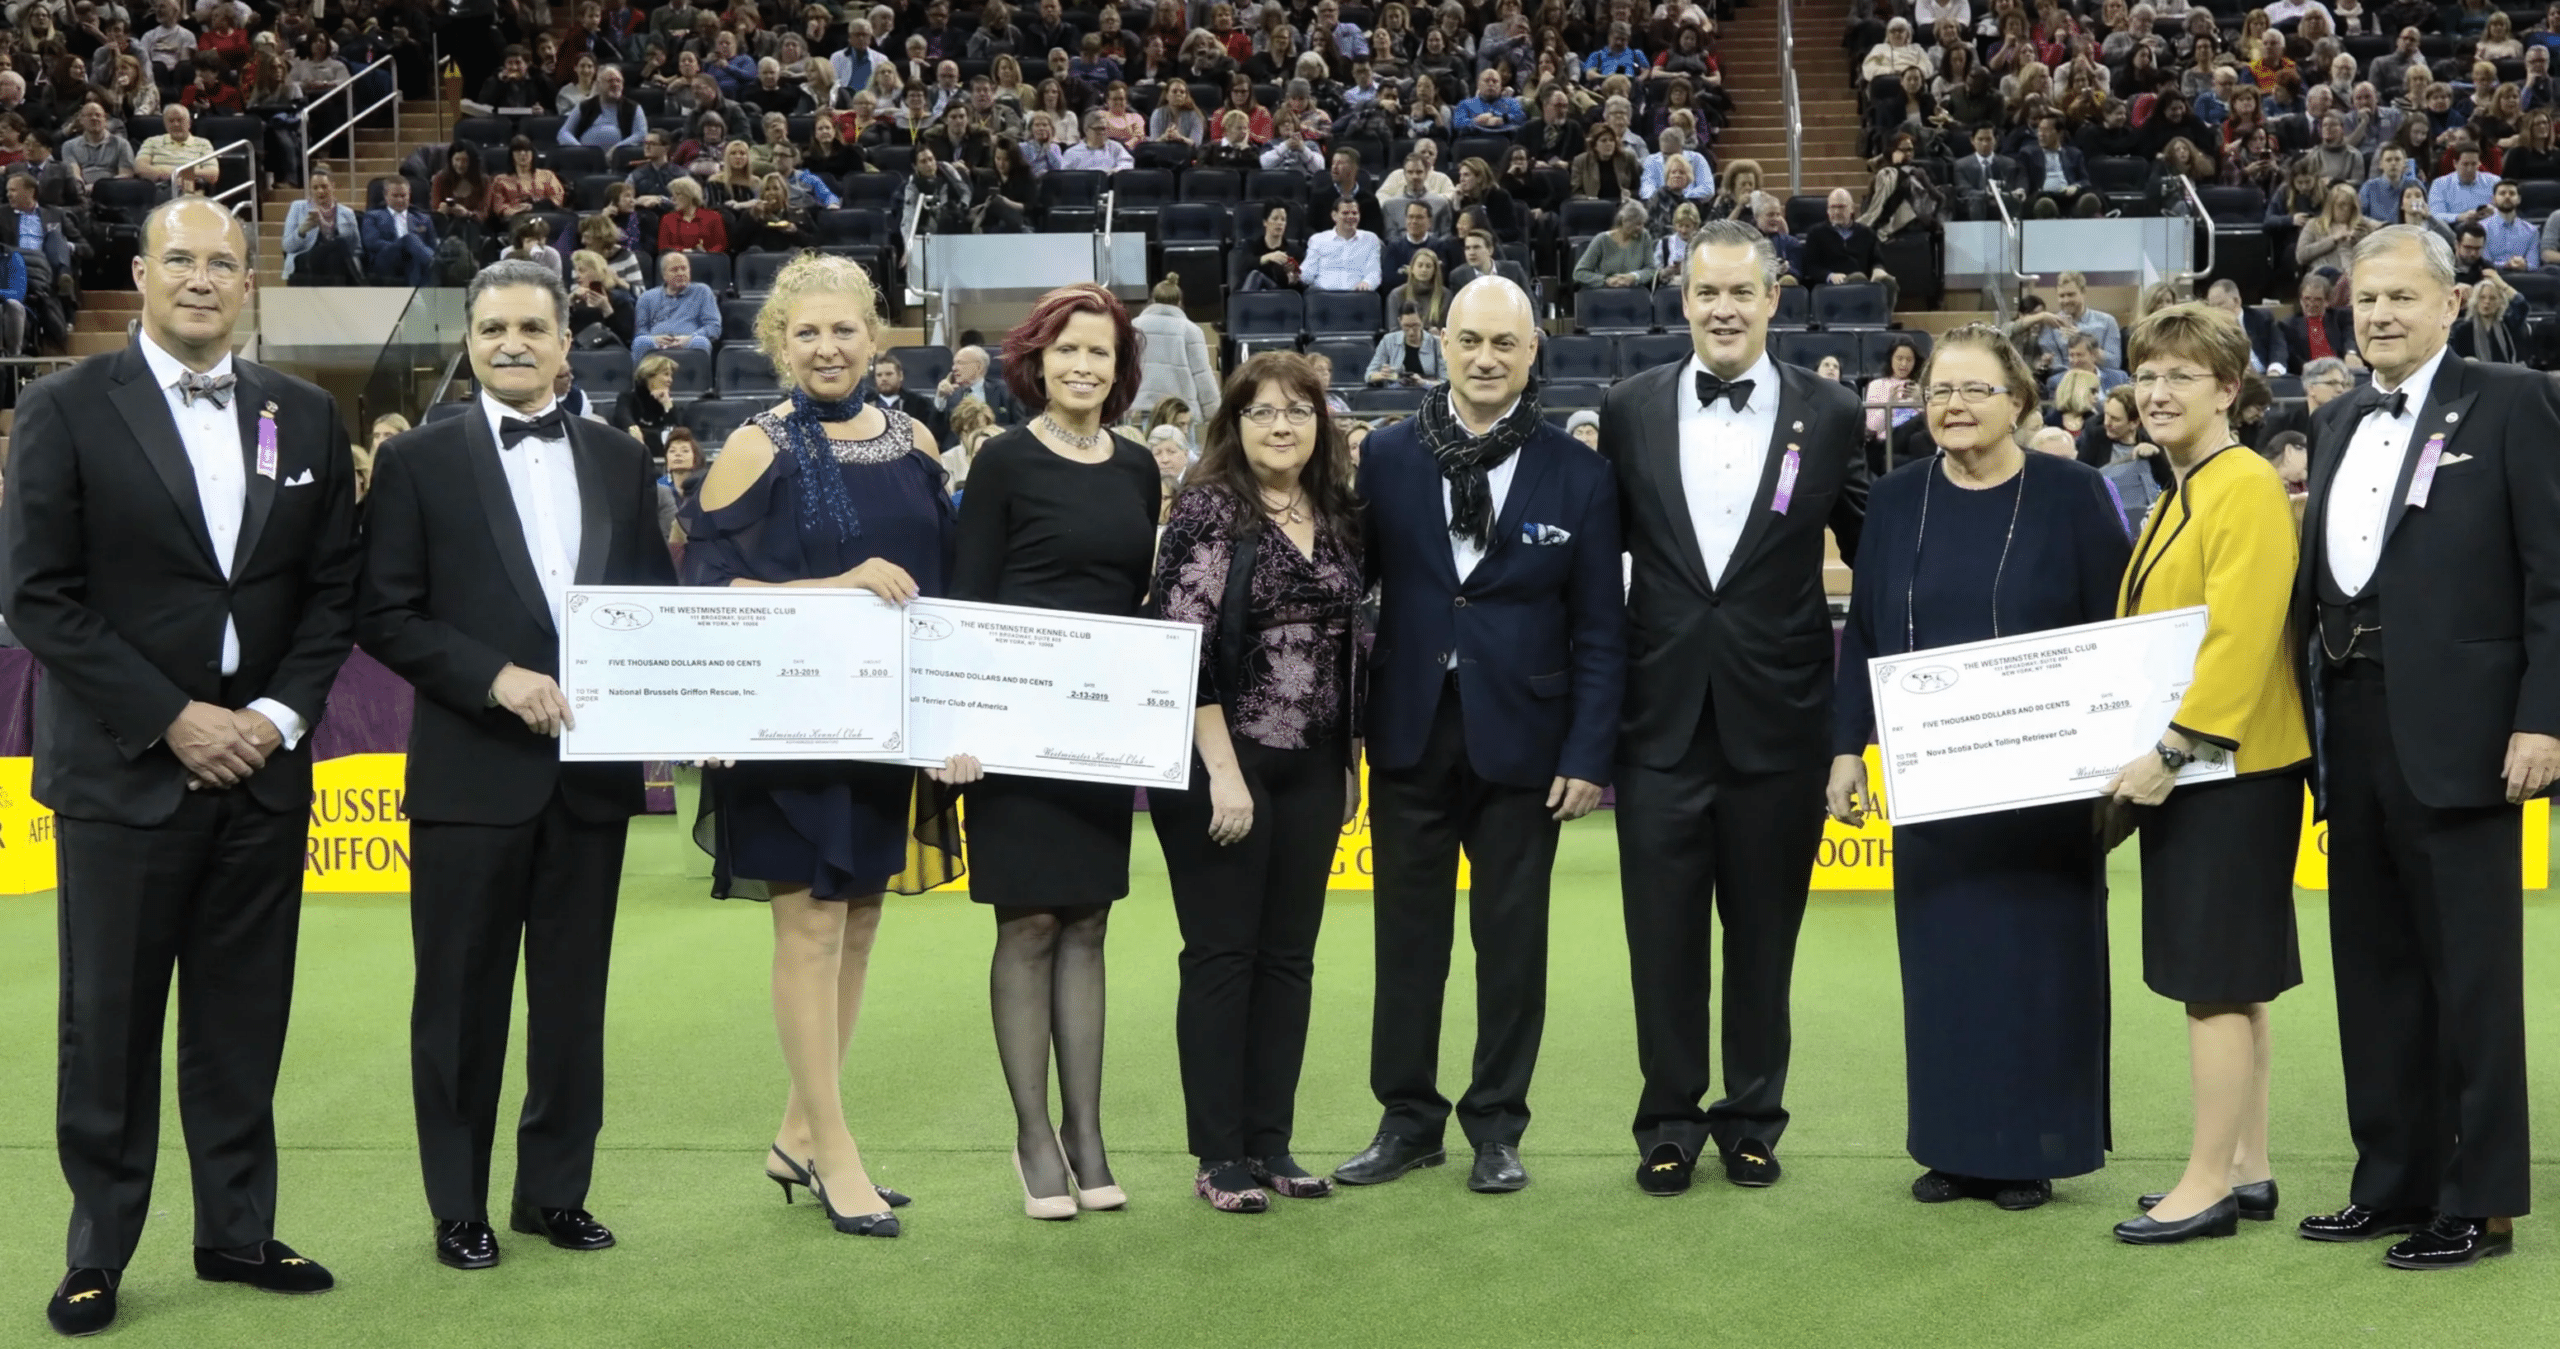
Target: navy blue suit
{"x":1465,"y":755}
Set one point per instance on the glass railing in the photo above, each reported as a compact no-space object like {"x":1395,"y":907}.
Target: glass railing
{"x":411,"y":365}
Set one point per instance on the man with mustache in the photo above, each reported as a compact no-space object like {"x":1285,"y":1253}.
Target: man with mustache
{"x":507,"y":844}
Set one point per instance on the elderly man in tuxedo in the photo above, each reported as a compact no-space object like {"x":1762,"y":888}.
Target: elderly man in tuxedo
{"x":2429,"y":600}
{"x":182,"y":559}
{"x":1493,"y":712}
{"x":1730,"y":466}
{"x":475,"y":529}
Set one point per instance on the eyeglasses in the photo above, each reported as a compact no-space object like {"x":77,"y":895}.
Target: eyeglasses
{"x":2179,"y":381}
{"x":1263,"y":414}
{"x":1972,"y":392}
{"x":181,"y":266}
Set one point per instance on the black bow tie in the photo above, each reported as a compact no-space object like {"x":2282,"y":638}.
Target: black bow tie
{"x":2373,"y":400}
{"x":552,"y":425}
{"x":1710,"y":388}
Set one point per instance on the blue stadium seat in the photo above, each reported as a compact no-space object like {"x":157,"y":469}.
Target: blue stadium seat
{"x":712,"y":419}
{"x":1808,"y":349}
{"x":877,"y":191}
{"x":693,"y":374}
{"x":924,"y":366}
{"x":1795,"y":307}
{"x":1266,"y":317}
{"x":1578,"y":358}
{"x":1851,"y":305}
{"x":602,"y":372}
{"x":1343,"y":313}
{"x":1639,"y":352}
{"x":1604,"y":309}
{"x":1350,"y":357}
{"x":1875,"y":349}
{"x":711,"y":269}
{"x":756,"y":272}
{"x":1212,"y":185}
{"x":741,"y":369}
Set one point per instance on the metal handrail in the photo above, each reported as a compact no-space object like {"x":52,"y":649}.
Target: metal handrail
{"x":1790,"y":100}
{"x":311,"y":145}
{"x":452,"y":371}
{"x":2013,"y":247}
{"x":2196,"y":200}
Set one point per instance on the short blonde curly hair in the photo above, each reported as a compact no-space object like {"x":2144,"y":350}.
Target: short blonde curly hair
{"x":804,"y":276}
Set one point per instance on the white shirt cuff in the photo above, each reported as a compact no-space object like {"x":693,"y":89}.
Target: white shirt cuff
{"x":288,"y":722}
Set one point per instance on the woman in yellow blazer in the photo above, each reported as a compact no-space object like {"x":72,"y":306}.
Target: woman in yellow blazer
{"x":2217,"y":858}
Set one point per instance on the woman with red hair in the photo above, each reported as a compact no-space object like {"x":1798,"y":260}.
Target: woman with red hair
{"x":1060,"y":514}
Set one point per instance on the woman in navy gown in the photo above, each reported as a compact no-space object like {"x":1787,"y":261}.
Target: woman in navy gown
{"x":2001,"y":917}
{"x":824,"y":492}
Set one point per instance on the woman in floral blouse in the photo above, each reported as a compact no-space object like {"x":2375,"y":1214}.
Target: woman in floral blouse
{"x":1249,"y":846}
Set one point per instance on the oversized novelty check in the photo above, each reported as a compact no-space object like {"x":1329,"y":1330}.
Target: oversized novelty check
{"x":752,"y":673}
{"x":1047,"y":693}
{"x":2029,"y":721}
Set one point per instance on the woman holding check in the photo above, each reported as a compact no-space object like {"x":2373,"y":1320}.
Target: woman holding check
{"x":2001,"y":917}
{"x":824,"y":491}
{"x":2217,"y":858}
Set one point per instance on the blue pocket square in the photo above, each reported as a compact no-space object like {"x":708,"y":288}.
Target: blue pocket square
{"x":1544,"y":535}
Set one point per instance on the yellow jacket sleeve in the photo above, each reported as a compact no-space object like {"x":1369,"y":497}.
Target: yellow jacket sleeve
{"x":2247,"y":548}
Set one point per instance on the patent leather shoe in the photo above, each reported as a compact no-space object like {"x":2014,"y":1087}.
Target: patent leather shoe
{"x":1388,"y":1157}
{"x":881,"y":1224}
{"x":1497,"y":1170}
{"x":85,"y":1302}
{"x":2355,"y":1222}
{"x":1751,"y":1164}
{"x":466,"y":1245}
{"x":269,"y":1265}
{"x":2257,"y":1200}
{"x":570,"y":1229}
{"x":2450,"y":1242}
{"x":1665,"y":1171}
{"x":2220,"y":1218}
{"x":794,"y":1173}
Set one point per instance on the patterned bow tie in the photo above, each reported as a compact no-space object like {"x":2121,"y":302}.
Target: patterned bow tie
{"x":1710,"y":388}
{"x":552,"y":425}
{"x":192,"y":386}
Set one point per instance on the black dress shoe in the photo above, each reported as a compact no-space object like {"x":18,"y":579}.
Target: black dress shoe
{"x":1387,"y":1157}
{"x":270,"y":1265}
{"x":2450,"y":1242}
{"x":1665,"y":1171}
{"x":85,"y":1303}
{"x":2221,"y":1218}
{"x":2017,"y":1196}
{"x":1751,"y":1164}
{"x":1497,"y":1170}
{"x":466,"y":1245}
{"x":1944,"y":1187}
{"x":2257,"y":1201}
{"x":2355,"y":1222}
{"x":570,"y":1229}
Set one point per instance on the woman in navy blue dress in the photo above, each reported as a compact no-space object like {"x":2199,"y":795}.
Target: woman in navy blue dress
{"x":824,"y":492}
{"x":2001,"y":918}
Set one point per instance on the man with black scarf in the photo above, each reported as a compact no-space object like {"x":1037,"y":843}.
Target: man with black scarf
{"x":1493,"y":717}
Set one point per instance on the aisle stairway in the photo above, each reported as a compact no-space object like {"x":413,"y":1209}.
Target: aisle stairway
{"x":1750,"y":55}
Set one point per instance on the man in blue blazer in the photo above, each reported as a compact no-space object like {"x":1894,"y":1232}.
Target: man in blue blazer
{"x":2055,"y":177}
{"x":1492,"y":719}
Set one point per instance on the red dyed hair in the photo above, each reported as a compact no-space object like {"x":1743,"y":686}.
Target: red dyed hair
{"x":1025,"y":345}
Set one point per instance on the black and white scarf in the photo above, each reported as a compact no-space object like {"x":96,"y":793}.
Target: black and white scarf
{"x":1467,"y":460}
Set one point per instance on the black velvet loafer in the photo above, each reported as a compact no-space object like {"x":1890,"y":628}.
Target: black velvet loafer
{"x":1665,"y":1171}
{"x":1752,"y":1164}
{"x":269,"y":1265}
{"x":85,"y":1303}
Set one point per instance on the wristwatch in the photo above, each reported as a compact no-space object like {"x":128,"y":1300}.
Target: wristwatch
{"x":2172,"y":759}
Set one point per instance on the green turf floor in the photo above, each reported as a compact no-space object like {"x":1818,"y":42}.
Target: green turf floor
{"x":1836,"y":1255}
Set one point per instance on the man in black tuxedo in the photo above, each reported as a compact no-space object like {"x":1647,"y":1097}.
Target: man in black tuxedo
{"x":1493,"y":712}
{"x":889,"y":389}
{"x":475,"y":529}
{"x":2430,"y":592}
{"x":182,"y":559}
{"x":1729,"y":468}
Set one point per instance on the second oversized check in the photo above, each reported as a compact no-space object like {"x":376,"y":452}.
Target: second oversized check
{"x":2032,"y":720}
{"x":1048,"y":693}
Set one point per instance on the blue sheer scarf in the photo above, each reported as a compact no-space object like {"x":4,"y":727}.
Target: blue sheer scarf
{"x":825,"y":506}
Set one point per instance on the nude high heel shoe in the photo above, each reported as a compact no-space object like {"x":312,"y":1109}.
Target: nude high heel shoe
{"x":1056,"y":1208}
{"x":1103,"y":1199}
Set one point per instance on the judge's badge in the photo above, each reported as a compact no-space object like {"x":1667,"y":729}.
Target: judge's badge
{"x":267,"y":442}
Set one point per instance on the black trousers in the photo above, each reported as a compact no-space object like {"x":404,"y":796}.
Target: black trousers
{"x":1419,"y":818}
{"x":214,"y":895}
{"x":1695,"y":839}
{"x":475,"y":892}
{"x":1250,"y":912}
{"x":2426,"y":932}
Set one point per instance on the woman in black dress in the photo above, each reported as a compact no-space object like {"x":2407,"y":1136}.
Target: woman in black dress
{"x":2001,"y":917}
{"x":1250,"y":845}
{"x":1060,"y":514}
{"x":824,"y":491}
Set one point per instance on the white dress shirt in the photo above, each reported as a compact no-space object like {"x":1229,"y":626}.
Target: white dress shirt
{"x":1463,"y":551}
{"x":1721,"y":454}
{"x":2360,"y":492}
{"x":543,"y":479}
{"x":1336,"y":263}
{"x":211,"y":436}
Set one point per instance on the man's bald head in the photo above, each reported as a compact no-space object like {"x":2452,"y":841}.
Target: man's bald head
{"x":1490,"y":344}
{"x":156,"y":226}
{"x":1492,"y":301}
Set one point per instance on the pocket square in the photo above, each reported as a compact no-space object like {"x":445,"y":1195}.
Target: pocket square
{"x":1545,"y":536}
{"x":302,"y":479}
{"x":2452,"y":459}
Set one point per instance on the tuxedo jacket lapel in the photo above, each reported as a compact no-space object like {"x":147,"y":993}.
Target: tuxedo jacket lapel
{"x":248,"y":402}
{"x":1756,"y":525}
{"x":2448,"y":400}
{"x":595,"y":521}
{"x":1661,"y":448}
{"x":145,"y":409}
{"x":498,"y":507}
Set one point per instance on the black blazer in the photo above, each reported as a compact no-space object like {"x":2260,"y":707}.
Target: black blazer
{"x":2469,"y":584}
{"x":1759,"y":643}
{"x":450,"y":598}
{"x":112,"y":581}
{"x":2340,"y":324}
{"x":1826,"y":252}
{"x":1539,"y":628}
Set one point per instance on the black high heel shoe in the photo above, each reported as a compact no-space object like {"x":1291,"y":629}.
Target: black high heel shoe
{"x":800,"y":1176}
{"x":2220,"y":1219}
{"x":2257,"y":1201}
{"x":859,"y":1225}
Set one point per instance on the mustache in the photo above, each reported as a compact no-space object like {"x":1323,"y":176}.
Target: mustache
{"x":504,"y":361}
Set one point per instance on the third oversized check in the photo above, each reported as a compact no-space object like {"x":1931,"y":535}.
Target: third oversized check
{"x":2031,"y":720}
{"x":1049,"y":693}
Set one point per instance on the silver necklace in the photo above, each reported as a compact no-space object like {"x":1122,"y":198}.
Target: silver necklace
{"x":1086,"y":441}
{"x":1910,"y":621}
{"x":1290,"y":512}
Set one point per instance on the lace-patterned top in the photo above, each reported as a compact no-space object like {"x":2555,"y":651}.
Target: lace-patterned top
{"x":884,"y":448}
{"x":1301,"y":670}
{"x":899,"y":494}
